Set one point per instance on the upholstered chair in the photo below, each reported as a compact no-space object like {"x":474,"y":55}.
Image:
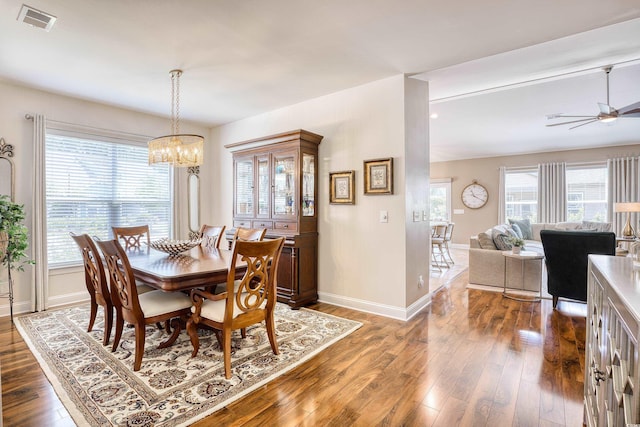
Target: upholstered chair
{"x":566,"y":256}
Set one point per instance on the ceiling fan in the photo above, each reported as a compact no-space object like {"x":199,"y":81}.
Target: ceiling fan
{"x":607,"y":112}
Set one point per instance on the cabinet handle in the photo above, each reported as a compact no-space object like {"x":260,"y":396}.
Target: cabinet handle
{"x":286,"y":226}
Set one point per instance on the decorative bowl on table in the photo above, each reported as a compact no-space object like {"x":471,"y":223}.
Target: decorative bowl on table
{"x":174,"y":247}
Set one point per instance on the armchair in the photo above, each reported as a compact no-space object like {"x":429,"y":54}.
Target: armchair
{"x":566,"y":258}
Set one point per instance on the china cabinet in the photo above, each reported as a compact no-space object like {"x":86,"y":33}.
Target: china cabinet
{"x":611,"y":394}
{"x":275,"y":186}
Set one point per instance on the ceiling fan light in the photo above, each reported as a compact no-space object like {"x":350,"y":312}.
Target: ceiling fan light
{"x":608,"y":119}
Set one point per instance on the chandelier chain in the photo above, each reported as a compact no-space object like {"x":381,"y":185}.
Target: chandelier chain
{"x":175,"y":102}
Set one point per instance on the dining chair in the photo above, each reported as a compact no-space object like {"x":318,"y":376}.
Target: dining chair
{"x":132,"y":237}
{"x":211,"y":235}
{"x":448,"y":234}
{"x":149,"y":308}
{"x":252,"y":302}
{"x":438,"y":259}
{"x":249,"y":234}
{"x":246,"y":235}
{"x":96,"y":283}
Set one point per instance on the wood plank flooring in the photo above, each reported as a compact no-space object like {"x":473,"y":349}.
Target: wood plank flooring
{"x":472,"y":358}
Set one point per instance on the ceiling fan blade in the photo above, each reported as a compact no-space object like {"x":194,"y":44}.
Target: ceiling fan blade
{"x":632,"y":110}
{"x":605,"y":108}
{"x":590,"y":119}
{"x":577,"y":126}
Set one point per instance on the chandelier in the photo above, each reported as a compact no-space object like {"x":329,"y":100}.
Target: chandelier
{"x":180,"y":150}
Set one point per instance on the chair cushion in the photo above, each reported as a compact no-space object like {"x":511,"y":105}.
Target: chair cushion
{"x":525,"y":228}
{"x":155,"y":303}
{"x":214,"y":310}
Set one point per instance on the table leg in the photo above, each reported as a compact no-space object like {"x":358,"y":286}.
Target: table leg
{"x":504,"y":291}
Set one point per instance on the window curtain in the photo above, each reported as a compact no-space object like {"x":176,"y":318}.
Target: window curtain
{"x":40,"y":282}
{"x":502,"y":206}
{"x":624,"y":186}
{"x":552,"y":189}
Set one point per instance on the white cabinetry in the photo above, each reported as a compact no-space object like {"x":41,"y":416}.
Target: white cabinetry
{"x":611,"y":394}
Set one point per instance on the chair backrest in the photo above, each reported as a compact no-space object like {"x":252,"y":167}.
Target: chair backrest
{"x":566,"y":256}
{"x":211,"y":236}
{"x":448,"y":232}
{"x":132,"y":237}
{"x":250,"y":234}
{"x":438,"y":231}
{"x":122,"y":282}
{"x":94,"y":274}
{"x":257,"y":288}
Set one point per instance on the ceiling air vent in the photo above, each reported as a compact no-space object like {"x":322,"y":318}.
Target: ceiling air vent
{"x":36,"y":18}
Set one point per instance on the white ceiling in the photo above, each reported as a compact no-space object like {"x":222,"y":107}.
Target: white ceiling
{"x":242,"y":58}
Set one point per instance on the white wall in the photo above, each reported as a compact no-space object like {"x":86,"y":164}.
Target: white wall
{"x":362,"y":262}
{"x":15,"y":101}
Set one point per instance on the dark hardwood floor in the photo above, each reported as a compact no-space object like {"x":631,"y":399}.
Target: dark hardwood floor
{"x":472,"y":359}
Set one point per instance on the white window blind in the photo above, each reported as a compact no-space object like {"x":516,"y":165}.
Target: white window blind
{"x":93,"y":183}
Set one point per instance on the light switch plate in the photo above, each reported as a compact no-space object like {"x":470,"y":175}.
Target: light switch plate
{"x":458,"y":211}
{"x":416,"y":216}
{"x":384,"y":216}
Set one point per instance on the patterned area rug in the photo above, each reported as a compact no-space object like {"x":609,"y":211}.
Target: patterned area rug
{"x":100,"y":388}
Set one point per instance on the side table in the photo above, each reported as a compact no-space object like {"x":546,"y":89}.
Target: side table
{"x":523,"y":257}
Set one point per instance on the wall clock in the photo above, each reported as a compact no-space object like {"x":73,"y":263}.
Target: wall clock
{"x":474,"y":195}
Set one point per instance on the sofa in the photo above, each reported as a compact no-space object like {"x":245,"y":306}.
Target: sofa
{"x":487,"y":264}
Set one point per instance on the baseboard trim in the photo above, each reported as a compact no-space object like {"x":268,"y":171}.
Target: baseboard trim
{"x":384,"y":310}
{"x":57,"y":301}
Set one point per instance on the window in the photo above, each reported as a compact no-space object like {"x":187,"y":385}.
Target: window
{"x":587,"y":193}
{"x":440,"y":200}
{"x":521,"y":194}
{"x":95,"y":182}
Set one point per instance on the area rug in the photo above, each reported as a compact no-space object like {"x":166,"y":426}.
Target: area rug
{"x":100,"y":388}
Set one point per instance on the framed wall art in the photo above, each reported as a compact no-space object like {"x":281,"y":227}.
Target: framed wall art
{"x":342,"y":188}
{"x":378,"y":176}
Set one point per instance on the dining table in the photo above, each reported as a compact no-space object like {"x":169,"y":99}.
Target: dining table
{"x":196,"y":268}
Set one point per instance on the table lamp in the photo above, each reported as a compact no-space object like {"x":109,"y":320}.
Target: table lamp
{"x":627,"y":232}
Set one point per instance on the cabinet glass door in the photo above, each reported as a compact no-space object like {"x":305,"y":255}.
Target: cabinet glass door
{"x":284,"y":186}
{"x":244,"y":186}
{"x":263,"y":186}
{"x":308,"y":185}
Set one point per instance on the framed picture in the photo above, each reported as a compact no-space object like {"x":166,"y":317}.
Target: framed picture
{"x":378,"y":176}
{"x":342,"y":185}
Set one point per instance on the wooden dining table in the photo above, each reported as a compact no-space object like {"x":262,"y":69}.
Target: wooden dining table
{"x":196,"y":268}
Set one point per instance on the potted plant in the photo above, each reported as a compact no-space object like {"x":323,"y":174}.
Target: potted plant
{"x":517,"y":245}
{"x":14,"y":238}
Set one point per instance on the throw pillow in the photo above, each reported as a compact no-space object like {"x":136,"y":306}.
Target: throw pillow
{"x":517,"y":230}
{"x":525,"y":227}
{"x":502,"y":240}
{"x":597,"y":226}
{"x":485,"y":240}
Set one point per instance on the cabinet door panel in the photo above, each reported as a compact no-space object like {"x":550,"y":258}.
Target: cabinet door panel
{"x":264,"y":186}
{"x":284,"y":185}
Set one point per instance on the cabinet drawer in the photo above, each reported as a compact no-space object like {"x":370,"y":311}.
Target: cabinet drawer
{"x":286,"y":226}
{"x":244,"y":223}
{"x":263,"y":224}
